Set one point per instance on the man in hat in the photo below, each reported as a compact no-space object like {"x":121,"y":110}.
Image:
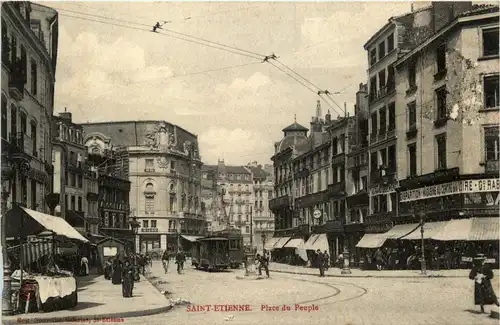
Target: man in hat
{"x":482,"y":274}
{"x":320,"y":258}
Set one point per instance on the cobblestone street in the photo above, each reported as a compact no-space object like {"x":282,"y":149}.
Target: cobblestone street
{"x":353,"y":301}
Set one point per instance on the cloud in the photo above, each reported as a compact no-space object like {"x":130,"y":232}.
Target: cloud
{"x":238,"y":146}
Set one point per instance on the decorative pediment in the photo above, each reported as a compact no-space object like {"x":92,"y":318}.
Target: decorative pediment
{"x":161,"y":137}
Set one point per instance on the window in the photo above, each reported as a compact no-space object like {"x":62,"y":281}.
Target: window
{"x":79,"y":179}
{"x":24,"y":191}
{"x":391,"y":83}
{"x":441,"y":151}
{"x":373,"y":161}
{"x":80,"y":203}
{"x":72,"y":202}
{"x":412,"y":74}
{"x":383,"y":203}
{"x":24,"y":63}
{"x":150,"y":167}
{"x":72,"y":177}
{"x":381,"y":50}
{"x":491,"y":91}
{"x":374,"y":124}
{"x":171,"y":203}
{"x":24,"y":123}
{"x":381,"y":80}
{"x":391,"y":159}
{"x":394,"y":202}
{"x":35,"y":27}
{"x":412,"y":160}
{"x":13,"y":49}
{"x":412,"y":116}
{"x":392,"y":116}
{"x":373,"y":56}
{"x":4,"y":118}
{"x":441,"y":103}
{"x":247,"y":229}
{"x":441,"y":58}
{"x":153,"y":223}
{"x":33,"y":195}
{"x":145,"y":223}
{"x":373,"y":88}
{"x":491,"y":143}
{"x":383,"y":121}
{"x":490,"y":41}
{"x":33,"y":137}
{"x":364,"y":182}
{"x":335,"y":146}
{"x":172,"y":165}
{"x":390,"y":43}
{"x":34,"y":77}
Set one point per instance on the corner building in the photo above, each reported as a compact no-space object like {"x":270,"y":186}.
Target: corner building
{"x":164,"y":170}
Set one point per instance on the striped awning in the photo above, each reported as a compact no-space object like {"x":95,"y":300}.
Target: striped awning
{"x":269,"y":244}
{"x":295,"y":243}
{"x":281,"y":242}
{"x":33,"y":251}
{"x":430,"y":230}
{"x":403,"y":230}
{"x":309,"y":243}
{"x":372,"y":241}
{"x":474,"y":229}
{"x":190,"y":238}
{"x":317,"y":241}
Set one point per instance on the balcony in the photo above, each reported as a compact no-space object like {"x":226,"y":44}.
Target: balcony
{"x":337,"y":189}
{"x":17,"y":79}
{"x":338,"y":159}
{"x":412,"y":132}
{"x":279,"y":203}
{"x":440,"y":75}
{"x":383,"y":175}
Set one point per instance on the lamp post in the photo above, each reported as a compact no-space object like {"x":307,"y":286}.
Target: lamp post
{"x":6,"y":175}
{"x":134,"y":224}
{"x":422,"y":262}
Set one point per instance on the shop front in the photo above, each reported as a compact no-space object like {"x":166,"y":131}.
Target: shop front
{"x":334,"y":230}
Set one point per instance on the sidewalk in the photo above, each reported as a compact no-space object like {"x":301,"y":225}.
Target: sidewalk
{"x":357,"y":273}
{"x":99,"y":299}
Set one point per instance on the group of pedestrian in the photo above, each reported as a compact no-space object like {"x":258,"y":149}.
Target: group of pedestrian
{"x":323,"y":261}
{"x":122,"y":272}
{"x":180,"y":259}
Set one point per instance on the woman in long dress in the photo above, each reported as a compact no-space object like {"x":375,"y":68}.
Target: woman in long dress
{"x":116,"y":278}
{"x":128,"y":280}
{"x":482,"y":274}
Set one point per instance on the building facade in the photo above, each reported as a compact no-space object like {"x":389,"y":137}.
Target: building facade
{"x":448,"y":139}
{"x":164,"y":169}
{"x":29,"y":55}
{"x":74,"y":179}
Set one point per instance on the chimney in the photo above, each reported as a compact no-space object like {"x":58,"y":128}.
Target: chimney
{"x":328,"y":118}
{"x":66,"y":115}
{"x":318,"y":109}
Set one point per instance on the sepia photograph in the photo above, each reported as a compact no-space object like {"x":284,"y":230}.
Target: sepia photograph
{"x":250,"y":162}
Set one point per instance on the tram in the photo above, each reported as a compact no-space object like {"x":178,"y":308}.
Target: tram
{"x":219,"y":251}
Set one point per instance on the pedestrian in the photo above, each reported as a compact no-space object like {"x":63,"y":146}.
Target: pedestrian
{"x":321,"y":263}
{"x":128,"y":279}
{"x":179,"y":260}
{"x":84,"y":266}
{"x":165,"y":260}
{"x":379,"y":259}
{"x":482,"y":274}
{"x":327,"y":260}
{"x":116,"y":278}
{"x":340,"y":260}
{"x":108,"y":269}
{"x":263,"y":263}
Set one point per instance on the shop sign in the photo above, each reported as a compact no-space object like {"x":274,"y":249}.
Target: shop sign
{"x":149,"y":229}
{"x":457,"y":187}
{"x":382,"y":189}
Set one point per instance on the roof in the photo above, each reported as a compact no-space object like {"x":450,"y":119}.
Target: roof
{"x":478,"y":9}
{"x":291,"y":140}
{"x":295,"y":127}
{"x":208,"y":168}
{"x":258,"y":172}
{"x":236,"y":170}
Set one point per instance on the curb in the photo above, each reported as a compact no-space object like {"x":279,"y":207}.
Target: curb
{"x":373,"y":276}
{"x":78,"y":318}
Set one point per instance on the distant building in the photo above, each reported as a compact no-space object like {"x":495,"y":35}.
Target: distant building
{"x":29,"y":56}
{"x":75,"y":180}
{"x":162,"y":164}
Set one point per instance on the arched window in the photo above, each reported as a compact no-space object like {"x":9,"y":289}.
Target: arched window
{"x":183,"y":202}
{"x":4,"y":124}
{"x":149,"y":195}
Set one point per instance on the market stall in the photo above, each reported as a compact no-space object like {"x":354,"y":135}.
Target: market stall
{"x":42,"y":285}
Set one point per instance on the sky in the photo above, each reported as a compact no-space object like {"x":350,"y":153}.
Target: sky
{"x":119,"y":70}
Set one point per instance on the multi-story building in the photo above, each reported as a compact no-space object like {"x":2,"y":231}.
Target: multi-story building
{"x":164,"y":169}
{"x":447,"y":116}
{"x":357,"y":173}
{"x":113,"y":188}
{"x":263,"y":218}
{"x":29,"y":55}
{"x":74,"y":179}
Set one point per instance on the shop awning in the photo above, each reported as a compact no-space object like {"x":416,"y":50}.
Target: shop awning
{"x":32,"y":251}
{"x":430,"y":230}
{"x":321,"y":243}
{"x":309,"y":243}
{"x":269,"y":244}
{"x":56,"y":225}
{"x":372,"y":241}
{"x":190,"y":238}
{"x":474,"y":229}
{"x":403,"y":230}
{"x":281,"y":242}
{"x":295,"y":243}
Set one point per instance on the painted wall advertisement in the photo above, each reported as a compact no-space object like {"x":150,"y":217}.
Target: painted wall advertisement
{"x":451,"y":188}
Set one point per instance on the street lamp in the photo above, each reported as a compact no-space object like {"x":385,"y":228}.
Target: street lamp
{"x":422,"y":223}
{"x":134,"y":224}
{"x":6,"y":175}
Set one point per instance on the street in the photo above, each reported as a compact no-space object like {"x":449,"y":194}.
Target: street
{"x":353,"y":301}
